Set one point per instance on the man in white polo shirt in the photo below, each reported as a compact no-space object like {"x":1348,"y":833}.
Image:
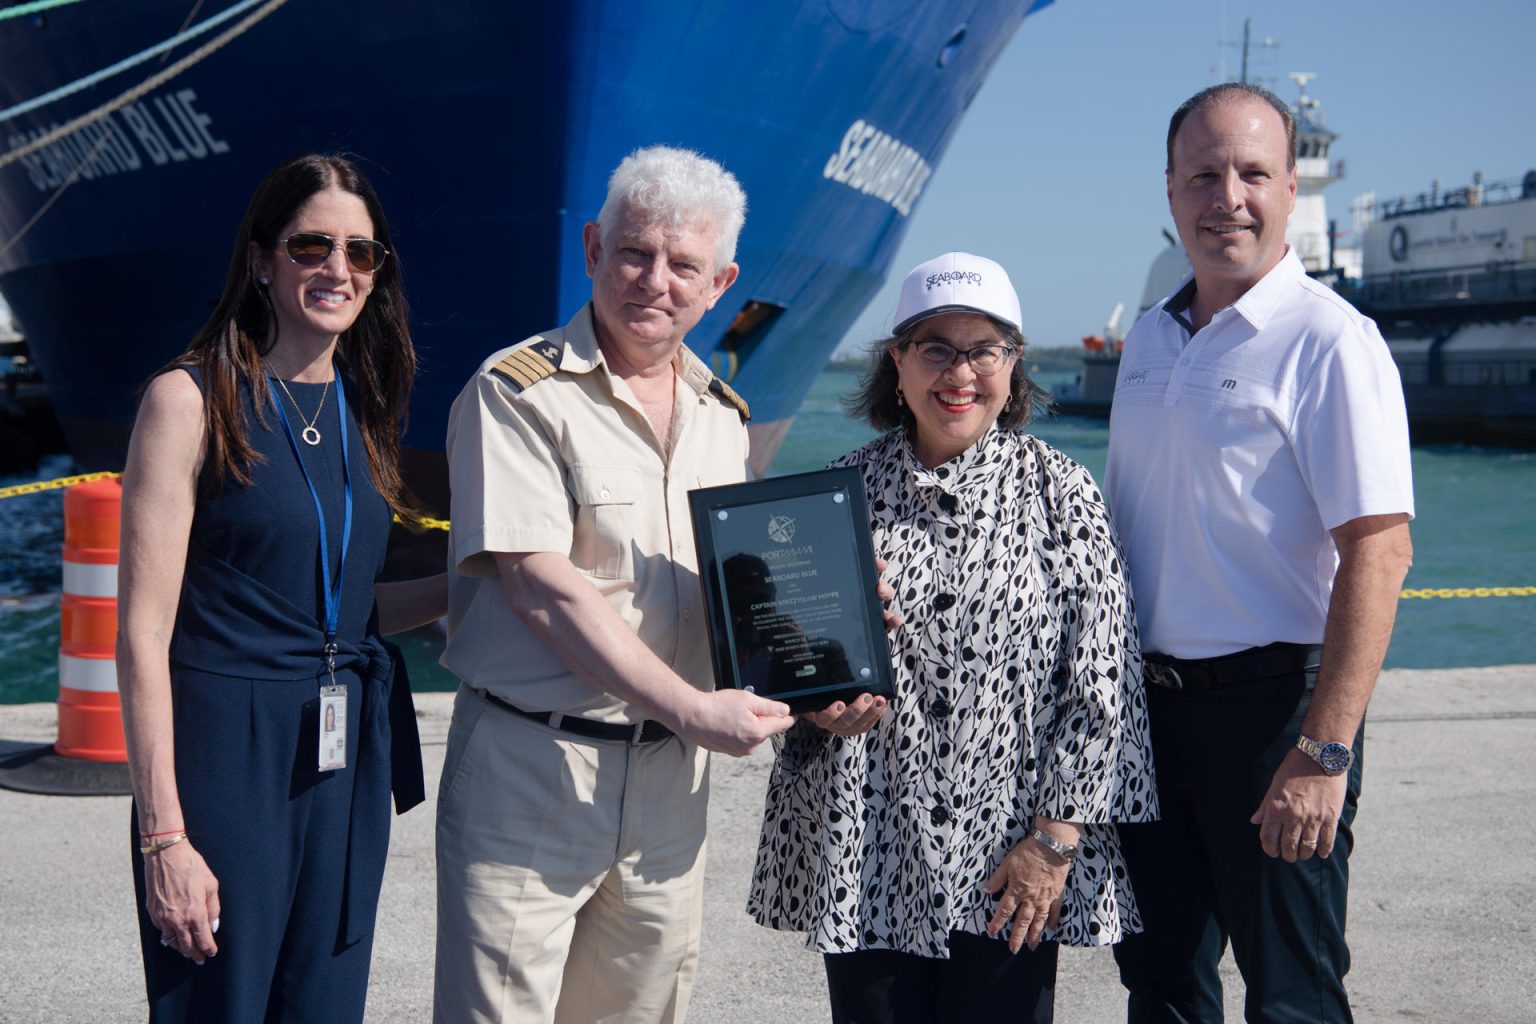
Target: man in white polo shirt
{"x":1259,"y":477}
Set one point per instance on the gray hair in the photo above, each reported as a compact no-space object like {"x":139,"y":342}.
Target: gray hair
{"x":678,"y":187}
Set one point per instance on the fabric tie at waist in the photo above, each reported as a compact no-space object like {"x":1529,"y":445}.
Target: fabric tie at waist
{"x":388,"y":759}
{"x":227,"y":615}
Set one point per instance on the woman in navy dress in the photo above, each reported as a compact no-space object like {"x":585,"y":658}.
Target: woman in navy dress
{"x":267,"y":722}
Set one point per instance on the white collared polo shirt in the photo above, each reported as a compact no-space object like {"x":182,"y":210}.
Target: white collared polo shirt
{"x":1234,"y":451}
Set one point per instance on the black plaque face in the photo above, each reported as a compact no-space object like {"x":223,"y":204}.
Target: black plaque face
{"x":789,"y":578}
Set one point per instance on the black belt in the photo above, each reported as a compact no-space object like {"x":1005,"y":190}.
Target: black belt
{"x":1210,"y":673}
{"x":645,"y":732}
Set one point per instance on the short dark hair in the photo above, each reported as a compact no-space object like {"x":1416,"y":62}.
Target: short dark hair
{"x":874,"y":401}
{"x":1225,"y":90}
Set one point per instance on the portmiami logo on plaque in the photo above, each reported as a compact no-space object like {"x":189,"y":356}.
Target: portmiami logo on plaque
{"x":788,"y":571}
{"x":781,"y":529}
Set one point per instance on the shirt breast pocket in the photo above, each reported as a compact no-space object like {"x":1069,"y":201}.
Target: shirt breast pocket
{"x":606,"y":521}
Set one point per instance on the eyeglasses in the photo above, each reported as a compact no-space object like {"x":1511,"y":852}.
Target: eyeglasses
{"x":939,"y":356}
{"x":311,"y":249}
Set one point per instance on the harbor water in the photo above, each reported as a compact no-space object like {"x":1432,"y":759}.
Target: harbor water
{"x":1473,"y":530}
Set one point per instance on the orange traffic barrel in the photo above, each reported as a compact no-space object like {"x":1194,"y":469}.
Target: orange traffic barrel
{"x":90,"y":711}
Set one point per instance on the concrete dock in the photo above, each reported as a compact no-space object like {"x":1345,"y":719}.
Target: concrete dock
{"x":1442,"y":908}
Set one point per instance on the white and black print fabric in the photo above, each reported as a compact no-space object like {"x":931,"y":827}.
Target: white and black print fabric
{"x":1018,"y":691}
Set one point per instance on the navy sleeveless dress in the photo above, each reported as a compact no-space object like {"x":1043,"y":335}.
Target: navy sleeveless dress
{"x":298,"y":853}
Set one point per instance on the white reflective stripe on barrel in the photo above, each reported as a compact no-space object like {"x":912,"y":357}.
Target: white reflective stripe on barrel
{"x":98,"y":675}
{"x":85,"y":580}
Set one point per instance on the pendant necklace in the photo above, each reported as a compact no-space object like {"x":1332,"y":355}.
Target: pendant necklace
{"x":310,"y":435}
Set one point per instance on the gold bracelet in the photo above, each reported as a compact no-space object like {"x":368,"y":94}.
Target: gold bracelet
{"x":164,"y":844}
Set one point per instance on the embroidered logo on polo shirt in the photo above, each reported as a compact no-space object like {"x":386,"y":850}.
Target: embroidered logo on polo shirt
{"x":1229,"y":384}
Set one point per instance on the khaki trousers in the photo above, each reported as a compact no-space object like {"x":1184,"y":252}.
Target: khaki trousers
{"x":570,"y":874}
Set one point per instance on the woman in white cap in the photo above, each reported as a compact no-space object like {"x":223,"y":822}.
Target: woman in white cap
{"x":938,"y":849}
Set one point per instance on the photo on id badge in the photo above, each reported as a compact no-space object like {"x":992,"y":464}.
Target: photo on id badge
{"x":333,"y":728}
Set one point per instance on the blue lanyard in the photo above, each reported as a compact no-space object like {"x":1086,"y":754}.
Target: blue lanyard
{"x":332,"y":592}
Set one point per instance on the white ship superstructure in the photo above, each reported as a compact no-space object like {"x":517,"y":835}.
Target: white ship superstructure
{"x":1310,"y":233}
{"x":1450,"y":278}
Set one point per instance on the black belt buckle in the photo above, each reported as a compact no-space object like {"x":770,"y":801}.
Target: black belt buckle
{"x":1237,"y":667}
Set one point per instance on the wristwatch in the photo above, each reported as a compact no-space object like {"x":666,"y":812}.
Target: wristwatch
{"x":1066,"y":851}
{"x":1334,"y":758}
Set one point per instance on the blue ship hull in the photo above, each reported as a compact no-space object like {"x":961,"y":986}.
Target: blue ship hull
{"x":489,"y":130}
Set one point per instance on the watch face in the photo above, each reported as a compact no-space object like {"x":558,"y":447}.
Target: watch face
{"x":1334,"y":757}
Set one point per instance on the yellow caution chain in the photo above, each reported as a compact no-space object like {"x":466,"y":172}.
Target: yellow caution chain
{"x":1430,"y":592}
{"x":1411,"y":593}
{"x":41,"y":486}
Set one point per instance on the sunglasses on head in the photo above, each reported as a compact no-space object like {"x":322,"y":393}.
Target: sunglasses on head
{"x":311,"y":249}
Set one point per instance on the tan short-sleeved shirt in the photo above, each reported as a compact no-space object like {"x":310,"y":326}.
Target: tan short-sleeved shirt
{"x":548,"y":451}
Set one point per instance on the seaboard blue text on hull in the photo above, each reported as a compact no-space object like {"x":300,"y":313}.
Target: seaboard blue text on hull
{"x":489,"y":130}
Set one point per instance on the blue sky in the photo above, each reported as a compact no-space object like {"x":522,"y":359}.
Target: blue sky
{"x":1056,"y":171}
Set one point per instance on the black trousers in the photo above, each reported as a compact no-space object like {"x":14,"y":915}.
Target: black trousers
{"x":980,"y":981}
{"x":1201,"y":878}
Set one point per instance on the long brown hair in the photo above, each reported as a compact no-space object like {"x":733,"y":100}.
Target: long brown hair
{"x":375,"y":352}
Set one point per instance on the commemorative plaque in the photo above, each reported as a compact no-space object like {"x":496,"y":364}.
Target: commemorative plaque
{"x":789,"y":580}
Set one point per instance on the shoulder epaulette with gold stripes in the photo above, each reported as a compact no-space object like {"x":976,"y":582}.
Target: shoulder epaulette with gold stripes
{"x":723,"y":391}
{"x":530,"y":363}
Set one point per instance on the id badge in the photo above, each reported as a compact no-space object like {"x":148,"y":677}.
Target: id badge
{"x":333,"y":727}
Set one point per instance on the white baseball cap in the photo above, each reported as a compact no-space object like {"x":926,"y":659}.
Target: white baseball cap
{"x":957,"y":282}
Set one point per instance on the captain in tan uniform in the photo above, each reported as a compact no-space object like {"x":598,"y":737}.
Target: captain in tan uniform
{"x":571,"y":813}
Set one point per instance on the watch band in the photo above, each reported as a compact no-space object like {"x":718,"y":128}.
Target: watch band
{"x":1066,"y":851}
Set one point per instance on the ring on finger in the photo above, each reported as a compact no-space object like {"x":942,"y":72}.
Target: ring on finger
{"x":165,"y":940}
{"x":1309,"y":843}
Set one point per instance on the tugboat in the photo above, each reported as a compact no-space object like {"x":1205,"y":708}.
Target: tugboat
{"x":1095,"y":385}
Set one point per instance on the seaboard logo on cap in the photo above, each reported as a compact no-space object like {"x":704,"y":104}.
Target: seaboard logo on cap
{"x":953,"y":277}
